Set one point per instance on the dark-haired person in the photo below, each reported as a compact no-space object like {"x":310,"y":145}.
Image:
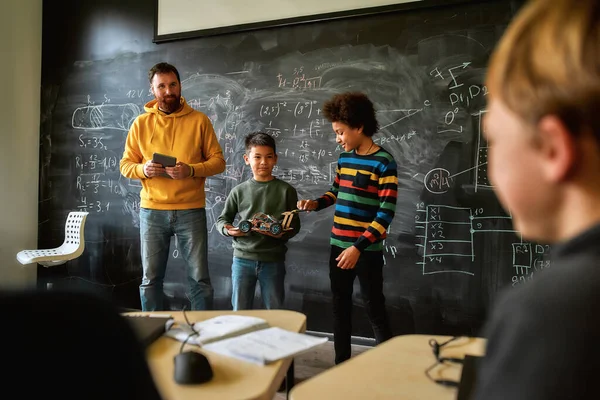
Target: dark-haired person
{"x":173,"y":204}
{"x":259,"y":255}
{"x":364,"y":193}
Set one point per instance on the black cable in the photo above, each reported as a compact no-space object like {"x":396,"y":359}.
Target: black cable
{"x":187,"y":321}
{"x":191,"y":326}
{"x":186,"y":340}
{"x":436,"y":347}
{"x":443,"y":382}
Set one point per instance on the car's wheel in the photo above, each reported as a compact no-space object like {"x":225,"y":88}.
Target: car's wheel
{"x":245,"y":226}
{"x":276,"y":229}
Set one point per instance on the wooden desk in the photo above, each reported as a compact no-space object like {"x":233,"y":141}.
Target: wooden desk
{"x":393,"y":370}
{"x":233,"y":379}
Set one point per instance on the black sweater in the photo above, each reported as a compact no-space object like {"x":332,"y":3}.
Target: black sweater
{"x":544,"y":336}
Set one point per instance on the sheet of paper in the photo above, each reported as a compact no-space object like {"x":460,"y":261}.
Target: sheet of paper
{"x":266,"y":345}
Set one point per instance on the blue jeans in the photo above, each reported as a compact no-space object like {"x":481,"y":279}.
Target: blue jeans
{"x":245,"y":273}
{"x":156,"y":229}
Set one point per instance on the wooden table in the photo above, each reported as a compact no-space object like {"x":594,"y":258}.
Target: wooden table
{"x":393,"y":370}
{"x":233,"y":379}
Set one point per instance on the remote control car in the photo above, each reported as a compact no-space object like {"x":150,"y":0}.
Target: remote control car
{"x":267,"y":223}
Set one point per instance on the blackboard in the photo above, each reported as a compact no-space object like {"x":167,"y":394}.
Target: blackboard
{"x":451,"y":246}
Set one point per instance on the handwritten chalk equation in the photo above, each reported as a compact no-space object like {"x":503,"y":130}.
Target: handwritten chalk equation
{"x":304,"y":109}
{"x":298,"y":80}
{"x":93,"y":163}
{"x":93,"y":205}
{"x":98,"y":184}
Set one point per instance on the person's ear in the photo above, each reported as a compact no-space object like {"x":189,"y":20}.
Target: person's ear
{"x":558,"y":148}
{"x":246,"y":159}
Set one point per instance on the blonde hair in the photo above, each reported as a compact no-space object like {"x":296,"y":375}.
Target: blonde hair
{"x":548,"y":62}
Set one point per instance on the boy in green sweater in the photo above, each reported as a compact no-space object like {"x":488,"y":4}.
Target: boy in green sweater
{"x":260,"y":253}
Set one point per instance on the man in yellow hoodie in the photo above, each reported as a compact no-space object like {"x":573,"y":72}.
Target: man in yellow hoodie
{"x":172,"y":198}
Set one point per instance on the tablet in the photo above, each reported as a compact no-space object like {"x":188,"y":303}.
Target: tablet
{"x":164,"y":160}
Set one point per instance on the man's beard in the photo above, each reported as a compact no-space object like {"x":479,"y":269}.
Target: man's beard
{"x":170,"y":106}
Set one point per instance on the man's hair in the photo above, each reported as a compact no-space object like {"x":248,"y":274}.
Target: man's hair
{"x":548,"y":63}
{"x":162,"y":68}
{"x":353,"y":109}
{"x":259,"y":139}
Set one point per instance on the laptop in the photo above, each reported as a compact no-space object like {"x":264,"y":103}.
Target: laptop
{"x":468,"y":377}
{"x":148,"y":328}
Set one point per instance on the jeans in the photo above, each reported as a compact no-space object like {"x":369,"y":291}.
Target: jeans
{"x":156,"y":229}
{"x":245,"y":273}
{"x":369,"y":270}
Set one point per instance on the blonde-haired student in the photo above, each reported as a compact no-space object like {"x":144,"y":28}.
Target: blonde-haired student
{"x":543,"y":130}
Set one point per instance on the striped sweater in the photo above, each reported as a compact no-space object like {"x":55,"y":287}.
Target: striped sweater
{"x":364,"y":192}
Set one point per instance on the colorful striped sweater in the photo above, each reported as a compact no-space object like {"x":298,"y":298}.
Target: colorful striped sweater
{"x":364,"y":191}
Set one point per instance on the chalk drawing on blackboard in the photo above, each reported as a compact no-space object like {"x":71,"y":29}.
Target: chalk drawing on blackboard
{"x":214,"y":199}
{"x":528,"y":259}
{"x":96,"y":163}
{"x":131,"y":207}
{"x":438,"y":222}
{"x":438,"y":181}
{"x":479,"y":220}
{"x":97,"y":183}
{"x":522,"y":257}
{"x":406,"y":114}
{"x":91,"y":141}
{"x":453,"y":77}
{"x":105,"y":116}
{"x":446,"y":233}
{"x":466,"y":170}
{"x":298,"y":80}
{"x":481,"y":177}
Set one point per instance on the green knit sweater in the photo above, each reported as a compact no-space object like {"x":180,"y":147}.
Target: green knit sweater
{"x":250,"y":197}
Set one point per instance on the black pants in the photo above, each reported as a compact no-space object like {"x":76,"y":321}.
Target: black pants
{"x":369,"y":270}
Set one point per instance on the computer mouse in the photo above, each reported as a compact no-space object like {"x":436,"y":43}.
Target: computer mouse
{"x":192,"y":367}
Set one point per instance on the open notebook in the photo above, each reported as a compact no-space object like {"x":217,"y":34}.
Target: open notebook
{"x":217,"y":328}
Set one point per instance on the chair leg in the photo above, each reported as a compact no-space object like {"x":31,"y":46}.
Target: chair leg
{"x":289,"y":379}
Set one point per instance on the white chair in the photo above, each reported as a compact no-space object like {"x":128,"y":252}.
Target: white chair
{"x":72,"y":247}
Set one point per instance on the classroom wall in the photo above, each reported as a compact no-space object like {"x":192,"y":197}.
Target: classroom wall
{"x":20,"y":69}
{"x":20,"y":72}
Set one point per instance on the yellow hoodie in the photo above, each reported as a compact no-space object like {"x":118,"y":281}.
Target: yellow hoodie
{"x":186,"y":134}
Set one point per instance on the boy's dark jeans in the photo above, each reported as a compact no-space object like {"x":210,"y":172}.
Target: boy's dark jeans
{"x":369,"y":270}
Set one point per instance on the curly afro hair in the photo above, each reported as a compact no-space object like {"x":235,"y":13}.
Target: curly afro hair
{"x":353,"y":109}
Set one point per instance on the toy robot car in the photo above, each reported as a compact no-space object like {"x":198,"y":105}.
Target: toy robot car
{"x":267,"y":223}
